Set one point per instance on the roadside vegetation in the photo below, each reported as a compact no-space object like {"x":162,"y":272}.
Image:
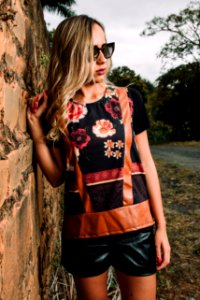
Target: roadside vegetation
{"x":181,"y":198}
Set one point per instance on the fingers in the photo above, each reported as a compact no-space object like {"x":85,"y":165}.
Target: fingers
{"x":162,"y":249}
{"x":35,"y":104}
{"x":38,"y":103}
{"x":30,"y":116}
{"x":163,"y":255}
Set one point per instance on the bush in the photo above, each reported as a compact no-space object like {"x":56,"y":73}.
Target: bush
{"x":159,"y":132}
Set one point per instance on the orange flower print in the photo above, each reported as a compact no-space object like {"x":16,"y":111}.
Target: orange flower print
{"x":117,"y":154}
{"x":113,"y":149}
{"x":75,"y":111}
{"x":119,"y":144}
{"x":109,"y":144}
{"x":103,"y":128}
{"x":108,"y":153}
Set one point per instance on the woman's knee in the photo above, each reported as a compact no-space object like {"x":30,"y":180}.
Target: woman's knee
{"x":90,"y":288}
{"x":137,"y":287}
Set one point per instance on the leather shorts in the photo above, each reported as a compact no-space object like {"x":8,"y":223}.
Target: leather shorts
{"x":132,"y":253}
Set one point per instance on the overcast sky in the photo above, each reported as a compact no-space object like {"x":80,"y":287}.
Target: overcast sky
{"x":124,"y":21}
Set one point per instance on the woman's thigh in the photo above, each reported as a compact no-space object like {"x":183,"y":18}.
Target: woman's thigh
{"x":90,"y":288}
{"x":137,"y":287}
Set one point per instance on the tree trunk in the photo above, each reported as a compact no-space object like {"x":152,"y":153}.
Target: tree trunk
{"x":29,"y":207}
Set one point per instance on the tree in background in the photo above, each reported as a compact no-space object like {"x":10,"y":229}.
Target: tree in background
{"x":176,"y":101}
{"x":123,"y":76}
{"x":184,"y":42}
{"x":62,"y":7}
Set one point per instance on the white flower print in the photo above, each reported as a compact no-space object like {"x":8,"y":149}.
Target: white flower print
{"x":103,"y":128}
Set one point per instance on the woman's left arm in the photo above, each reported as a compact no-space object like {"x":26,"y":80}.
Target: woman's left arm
{"x":153,"y":185}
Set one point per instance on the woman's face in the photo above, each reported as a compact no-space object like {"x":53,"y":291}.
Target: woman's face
{"x":101,"y":64}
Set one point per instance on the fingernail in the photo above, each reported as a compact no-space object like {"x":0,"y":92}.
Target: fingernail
{"x":159,"y":260}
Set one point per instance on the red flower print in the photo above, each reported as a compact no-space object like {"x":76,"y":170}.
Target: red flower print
{"x":113,"y":107}
{"x":75,"y":111}
{"x":103,"y":128}
{"x":80,"y":139}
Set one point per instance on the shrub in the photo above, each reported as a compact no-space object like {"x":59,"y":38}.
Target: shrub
{"x":159,"y":132}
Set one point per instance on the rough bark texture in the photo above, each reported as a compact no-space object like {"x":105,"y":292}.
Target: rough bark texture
{"x":29,"y":207}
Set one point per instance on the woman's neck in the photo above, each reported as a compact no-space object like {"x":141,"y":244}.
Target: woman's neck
{"x":91,"y":93}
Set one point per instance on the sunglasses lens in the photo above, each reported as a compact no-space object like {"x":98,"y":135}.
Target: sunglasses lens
{"x":108,"y":50}
{"x":96,"y":52}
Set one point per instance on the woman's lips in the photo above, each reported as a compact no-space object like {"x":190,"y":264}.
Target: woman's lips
{"x":101,"y":71}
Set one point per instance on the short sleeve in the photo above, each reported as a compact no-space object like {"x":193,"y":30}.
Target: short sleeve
{"x":140,"y":118}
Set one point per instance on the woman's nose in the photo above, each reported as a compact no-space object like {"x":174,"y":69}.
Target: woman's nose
{"x":101,"y":58}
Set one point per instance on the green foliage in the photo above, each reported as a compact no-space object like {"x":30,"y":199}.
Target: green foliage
{"x":175,"y":101}
{"x":159,"y":132}
{"x":123,"y":76}
{"x":51,"y":35}
{"x":184,"y":42}
{"x":44,"y":59}
{"x":61,"y":7}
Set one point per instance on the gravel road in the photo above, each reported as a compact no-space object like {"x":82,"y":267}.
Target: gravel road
{"x":186,"y":156}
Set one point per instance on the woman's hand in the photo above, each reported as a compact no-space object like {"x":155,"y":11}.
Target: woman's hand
{"x":38,"y":104}
{"x":162,"y":248}
{"x":36,"y":107}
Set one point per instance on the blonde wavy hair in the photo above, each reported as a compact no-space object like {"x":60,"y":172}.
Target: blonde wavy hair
{"x":69,"y":69}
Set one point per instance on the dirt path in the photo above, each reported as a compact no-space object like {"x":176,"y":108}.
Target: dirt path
{"x":186,"y":156}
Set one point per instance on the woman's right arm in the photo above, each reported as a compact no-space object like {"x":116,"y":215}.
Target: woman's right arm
{"x":50,"y":159}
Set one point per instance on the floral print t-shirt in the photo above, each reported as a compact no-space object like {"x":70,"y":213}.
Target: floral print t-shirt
{"x":96,"y":132}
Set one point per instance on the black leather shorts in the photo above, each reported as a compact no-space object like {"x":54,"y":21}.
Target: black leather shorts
{"x":132,"y":253}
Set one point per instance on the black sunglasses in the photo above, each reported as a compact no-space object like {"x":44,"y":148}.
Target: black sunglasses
{"x":107,"y":50}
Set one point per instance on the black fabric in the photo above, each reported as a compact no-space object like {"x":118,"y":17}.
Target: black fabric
{"x":140,"y":193}
{"x":140,"y":118}
{"x":131,"y":253}
{"x":106,"y":196}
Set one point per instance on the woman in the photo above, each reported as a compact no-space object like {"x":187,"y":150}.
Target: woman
{"x":100,"y":150}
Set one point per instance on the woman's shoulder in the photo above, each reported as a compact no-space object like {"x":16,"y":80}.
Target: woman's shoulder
{"x":134,"y":93}
{"x":131,"y":91}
